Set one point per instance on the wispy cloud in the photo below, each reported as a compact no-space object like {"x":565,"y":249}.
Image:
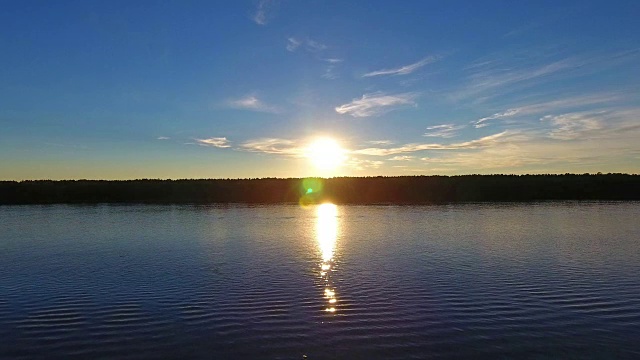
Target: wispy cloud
{"x":489,"y":80}
{"x":403,"y":70}
{"x":315,"y":46}
{"x":263,"y":12}
{"x":408,"y":148}
{"x":380,"y":142}
{"x":163,"y":138}
{"x":363,"y":164}
{"x":507,"y":72}
{"x":573,"y":126}
{"x":293,"y":44}
{"x":307,"y":44}
{"x":583,"y":141}
{"x":251,"y":102}
{"x":330,"y":71}
{"x":376,"y":104}
{"x":219,"y":142}
{"x":402,"y":158}
{"x":273,"y":146}
{"x":443,"y":131}
{"x":549,"y":106}
{"x":508,"y":113}
{"x":594,"y":125}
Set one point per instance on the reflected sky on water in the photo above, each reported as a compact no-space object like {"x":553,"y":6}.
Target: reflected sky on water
{"x":552,"y":280}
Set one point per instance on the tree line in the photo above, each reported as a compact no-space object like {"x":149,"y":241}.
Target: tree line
{"x":342,"y":190}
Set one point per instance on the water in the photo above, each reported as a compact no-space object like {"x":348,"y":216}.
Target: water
{"x":548,"y":280}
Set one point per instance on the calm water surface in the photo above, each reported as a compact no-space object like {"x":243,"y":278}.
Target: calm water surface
{"x":549,"y":280}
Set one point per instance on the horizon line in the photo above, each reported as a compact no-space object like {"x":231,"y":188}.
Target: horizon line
{"x":332,"y":177}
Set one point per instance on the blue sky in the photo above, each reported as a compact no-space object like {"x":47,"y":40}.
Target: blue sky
{"x":203,"y":89}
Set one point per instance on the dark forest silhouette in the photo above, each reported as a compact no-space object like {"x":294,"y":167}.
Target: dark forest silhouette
{"x":345,"y":190}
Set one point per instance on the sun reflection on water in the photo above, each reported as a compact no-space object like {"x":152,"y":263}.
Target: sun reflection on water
{"x":327,"y":235}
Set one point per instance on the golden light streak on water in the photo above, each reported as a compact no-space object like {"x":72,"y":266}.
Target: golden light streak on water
{"x":327,"y":235}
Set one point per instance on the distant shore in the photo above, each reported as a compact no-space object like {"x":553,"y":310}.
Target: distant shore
{"x":344,"y":190}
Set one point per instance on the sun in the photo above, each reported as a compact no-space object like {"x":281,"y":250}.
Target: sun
{"x":326,"y":154}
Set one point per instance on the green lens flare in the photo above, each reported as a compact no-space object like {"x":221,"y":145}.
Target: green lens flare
{"x":311,"y":191}
{"x":313,"y":184}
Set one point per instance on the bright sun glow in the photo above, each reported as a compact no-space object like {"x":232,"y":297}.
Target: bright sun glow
{"x":326,"y":154}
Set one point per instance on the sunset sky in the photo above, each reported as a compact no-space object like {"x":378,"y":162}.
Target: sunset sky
{"x":234,"y":89}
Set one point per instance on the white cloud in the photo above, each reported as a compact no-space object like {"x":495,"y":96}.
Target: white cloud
{"x":472,"y":144}
{"x":163,"y":138}
{"x":330,"y":72}
{"x":293,"y":44}
{"x":443,"y":131}
{"x":401,"y":158}
{"x":219,"y":142}
{"x":273,"y":146}
{"x":309,"y":45}
{"x":380,"y":142}
{"x":263,"y":12}
{"x":574,"y":125}
{"x":251,"y":102}
{"x":363,"y":164}
{"x":403,"y":70}
{"x":507,"y":72}
{"x":508,"y":113}
{"x":488,"y":80}
{"x":315,"y":46}
{"x":376,"y":104}
{"x":587,"y":141}
{"x":549,"y":106}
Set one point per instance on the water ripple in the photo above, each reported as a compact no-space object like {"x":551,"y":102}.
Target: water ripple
{"x":553,"y":280}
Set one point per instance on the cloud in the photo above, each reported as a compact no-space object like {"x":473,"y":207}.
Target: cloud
{"x":376,"y":104}
{"x":403,"y":70}
{"x":163,"y":138}
{"x":407,"y":148}
{"x":273,"y":146}
{"x":219,"y":142}
{"x":402,"y":158}
{"x":585,"y":141}
{"x":443,"y":131}
{"x":492,"y":79}
{"x":380,"y":142}
{"x":600,"y":139}
{"x":251,"y":102}
{"x":363,"y":164}
{"x":508,"y":113}
{"x":309,"y":45}
{"x":263,"y":11}
{"x":549,"y":106}
{"x":293,"y":44}
{"x":508,"y":72}
{"x":330,"y":72}
{"x":594,"y":125}
{"x":572,"y":126}
{"x":315,"y":46}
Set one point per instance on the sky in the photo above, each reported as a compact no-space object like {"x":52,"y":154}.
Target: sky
{"x":241,"y":89}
